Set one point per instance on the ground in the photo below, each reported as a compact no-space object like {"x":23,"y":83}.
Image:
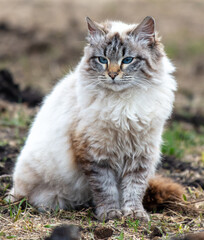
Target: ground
{"x":40,"y":42}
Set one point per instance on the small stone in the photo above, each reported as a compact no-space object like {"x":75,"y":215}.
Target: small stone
{"x":156,"y":232}
{"x":103,"y":233}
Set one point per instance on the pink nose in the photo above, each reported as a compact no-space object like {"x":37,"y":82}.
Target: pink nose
{"x":113,"y":74}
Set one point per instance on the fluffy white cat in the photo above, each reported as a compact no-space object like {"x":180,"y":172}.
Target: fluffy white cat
{"x":97,"y":135}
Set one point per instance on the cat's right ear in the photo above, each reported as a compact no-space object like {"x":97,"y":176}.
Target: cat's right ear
{"x":94,"y":30}
{"x":145,"y":31}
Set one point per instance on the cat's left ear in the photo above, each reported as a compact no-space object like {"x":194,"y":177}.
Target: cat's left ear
{"x":145,"y":31}
{"x":94,"y":30}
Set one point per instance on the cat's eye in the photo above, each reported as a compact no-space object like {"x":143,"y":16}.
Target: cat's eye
{"x":127,"y":60}
{"x":102,"y":60}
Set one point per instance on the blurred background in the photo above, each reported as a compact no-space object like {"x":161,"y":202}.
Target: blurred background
{"x":41,"y":40}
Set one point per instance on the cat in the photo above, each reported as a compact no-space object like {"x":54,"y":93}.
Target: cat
{"x":97,"y":136}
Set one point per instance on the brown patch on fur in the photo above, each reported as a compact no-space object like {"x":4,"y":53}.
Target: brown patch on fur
{"x":79,"y":148}
{"x":114,"y":68}
{"x":83,"y":149}
{"x":78,"y":145}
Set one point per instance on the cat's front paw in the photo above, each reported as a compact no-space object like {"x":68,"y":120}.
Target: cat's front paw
{"x":135,"y":213}
{"x":108,"y":214}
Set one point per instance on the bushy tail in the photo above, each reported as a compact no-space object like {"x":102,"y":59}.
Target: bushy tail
{"x":165,"y":194}
{"x":161,"y":193}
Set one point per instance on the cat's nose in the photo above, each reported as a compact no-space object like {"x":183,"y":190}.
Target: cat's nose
{"x":113,"y":74}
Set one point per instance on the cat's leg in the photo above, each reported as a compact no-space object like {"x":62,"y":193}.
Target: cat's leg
{"x":103,"y":185}
{"x":133,"y":186}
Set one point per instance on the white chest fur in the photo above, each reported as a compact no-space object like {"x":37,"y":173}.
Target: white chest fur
{"x":125,"y":124}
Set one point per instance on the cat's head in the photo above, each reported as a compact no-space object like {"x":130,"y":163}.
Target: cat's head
{"x":120,"y":56}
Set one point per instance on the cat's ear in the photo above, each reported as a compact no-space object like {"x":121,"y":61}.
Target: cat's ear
{"x":94,"y":30}
{"x":145,"y":31}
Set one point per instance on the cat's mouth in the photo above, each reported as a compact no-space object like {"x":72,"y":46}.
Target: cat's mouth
{"x":117,"y":81}
{"x":116,"y":85}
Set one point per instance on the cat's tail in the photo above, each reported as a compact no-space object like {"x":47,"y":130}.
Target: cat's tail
{"x":164,"y":193}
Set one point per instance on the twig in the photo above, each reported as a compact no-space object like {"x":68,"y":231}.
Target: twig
{"x":5,"y":176}
{"x":5,"y":219}
{"x":201,"y":200}
{"x":10,"y":204}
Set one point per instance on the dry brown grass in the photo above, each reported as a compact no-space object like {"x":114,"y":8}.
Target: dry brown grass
{"x":19,"y":220}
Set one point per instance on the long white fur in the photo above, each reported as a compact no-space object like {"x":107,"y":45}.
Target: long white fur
{"x":47,"y":160}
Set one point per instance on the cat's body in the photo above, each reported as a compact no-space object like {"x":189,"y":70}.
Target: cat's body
{"x":97,"y":136}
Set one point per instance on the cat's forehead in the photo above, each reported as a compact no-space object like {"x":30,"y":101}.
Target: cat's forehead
{"x":116,"y":43}
{"x":117,"y":27}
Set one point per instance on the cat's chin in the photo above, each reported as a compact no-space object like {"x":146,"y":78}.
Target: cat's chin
{"x":116,"y":87}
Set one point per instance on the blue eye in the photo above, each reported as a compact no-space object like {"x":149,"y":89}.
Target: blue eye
{"x":127,"y":60}
{"x":102,"y":60}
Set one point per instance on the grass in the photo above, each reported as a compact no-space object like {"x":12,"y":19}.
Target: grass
{"x":178,"y":140}
{"x":133,"y":224}
{"x":22,"y":221}
{"x":16,"y":122}
{"x":20,"y":119}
